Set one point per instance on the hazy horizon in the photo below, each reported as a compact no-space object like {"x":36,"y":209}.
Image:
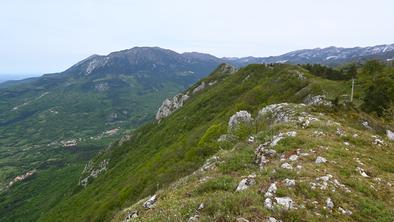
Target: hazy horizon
{"x":46,"y":36}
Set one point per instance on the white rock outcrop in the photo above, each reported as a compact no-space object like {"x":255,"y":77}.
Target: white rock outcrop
{"x":199,"y":88}
{"x":284,"y":202}
{"x":319,"y":100}
{"x":241,"y":117}
{"x":171,"y":105}
{"x":246,"y":182}
{"x":320,"y":160}
{"x":150,"y":203}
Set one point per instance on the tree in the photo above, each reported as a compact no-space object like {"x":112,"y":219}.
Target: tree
{"x":380,"y":95}
{"x":373,"y":68}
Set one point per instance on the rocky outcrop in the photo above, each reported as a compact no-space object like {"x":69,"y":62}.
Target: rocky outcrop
{"x":319,"y":100}
{"x":22,"y":177}
{"x":150,"y":203}
{"x":171,"y":105}
{"x":246,"y":182}
{"x":199,"y":88}
{"x":92,"y":171}
{"x":241,"y":117}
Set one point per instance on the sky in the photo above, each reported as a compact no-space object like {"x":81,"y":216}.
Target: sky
{"x":46,"y":36}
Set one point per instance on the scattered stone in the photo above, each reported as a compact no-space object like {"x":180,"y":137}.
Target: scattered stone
{"x":323,"y":182}
{"x":340,"y":132}
{"x":130,"y":216}
{"x":246,"y":182}
{"x":241,"y":219}
{"x":362,"y":172}
{"x":285,"y":202}
{"x":150,"y":203}
{"x":293,"y":157}
{"x":194,"y":218}
{"x":366,"y":124}
{"x":271,"y":190}
{"x":200,"y":207}
{"x":286,"y":166}
{"x":377,"y":140}
{"x":346,"y":143}
{"x":241,"y":117}
{"x":251,"y":139}
{"x":272,"y":219}
{"x":344,"y":211}
{"x":210,"y":163}
{"x":289,"y":182}
{"x":320,"y":160}
{"x":318,"y":133}
{"x":268,"y":203}
{"x":329,"y":203}
{"x":390,"y":134}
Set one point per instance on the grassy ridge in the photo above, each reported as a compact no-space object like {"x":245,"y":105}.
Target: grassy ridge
{"x":158,"y":154}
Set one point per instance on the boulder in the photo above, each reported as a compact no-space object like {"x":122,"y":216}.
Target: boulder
{"x":390,"y":134}
{"x":271,"y":190}
{"x":150,"y":203}
{"x":320,"y":160}
{"x":130,"y":216}
{"x":286,"y":166}
{"x":329,"y":203}
{"x":289,"y":182}
{"x":246,"y":182}
{"x":241,"y":117}
{"x":284,"y":202}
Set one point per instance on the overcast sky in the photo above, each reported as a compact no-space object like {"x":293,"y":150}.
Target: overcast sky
{"x":44,"y":36}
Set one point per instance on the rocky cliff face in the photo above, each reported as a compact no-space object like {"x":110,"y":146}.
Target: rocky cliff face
{"x":171,"y":105}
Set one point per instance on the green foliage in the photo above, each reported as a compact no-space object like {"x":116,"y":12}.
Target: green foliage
{"x":379,"y":96}
{"x":225,"y":183}
{"x":327,"y":72}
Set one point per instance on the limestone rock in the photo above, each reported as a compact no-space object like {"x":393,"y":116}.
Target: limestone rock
{"x":241,"y":117}
{"x":329,"y":203}
{"x":319,"y":100}
{"x":241,"y":219}
{"x":130,"y":216}
{"x":289,"y":182}
{"x":286,"y":166}
{"x":320,"y":160}
{"x":150,"y":203}
{"x":271,"y":190}
{"x":284,"y":202}
{"x":199,"y":88}
{"x":246,"y":182}
{"x":171,"y":105}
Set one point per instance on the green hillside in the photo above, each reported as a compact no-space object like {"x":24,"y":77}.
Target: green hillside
{"x":159,"y":154}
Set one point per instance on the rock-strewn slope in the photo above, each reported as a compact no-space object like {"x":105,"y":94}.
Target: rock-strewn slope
{"x":302,"y":165}
{"x":296,"y":150}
